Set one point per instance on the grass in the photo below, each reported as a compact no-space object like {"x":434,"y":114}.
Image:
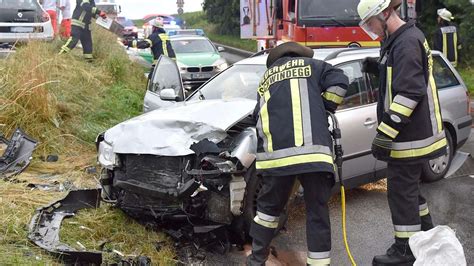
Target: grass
{"x":198,"y":20}
{"x":64,"y":102}
{"x":467,"y":74}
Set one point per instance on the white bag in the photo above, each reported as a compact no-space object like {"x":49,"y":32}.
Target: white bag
{"x":438,"y":246}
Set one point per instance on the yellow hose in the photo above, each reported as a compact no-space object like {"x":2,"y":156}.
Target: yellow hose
{"x":344,"y":234}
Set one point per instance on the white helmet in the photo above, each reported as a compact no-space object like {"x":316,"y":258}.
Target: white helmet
{"x":445,"y":14}
{"x":368,"y":9}
{"x":157,"y":22}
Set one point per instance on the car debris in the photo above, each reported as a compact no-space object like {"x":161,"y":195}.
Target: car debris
{"x":45,"y":226}
{"x":17,"y":153}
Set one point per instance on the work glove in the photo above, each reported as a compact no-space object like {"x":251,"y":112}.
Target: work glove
{"x":103,"y":15}
{"x":381,"y":147}
{"x":371,"y":65}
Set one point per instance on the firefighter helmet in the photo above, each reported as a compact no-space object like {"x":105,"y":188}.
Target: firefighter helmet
{"x":288,"y":49}
{"x":371,"y":8}
{"x":157,"y":22}
{"x":445,"y":14}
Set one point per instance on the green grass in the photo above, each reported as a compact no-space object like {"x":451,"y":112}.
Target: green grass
{"x":467,"y":74}
{"x":198,"y":20}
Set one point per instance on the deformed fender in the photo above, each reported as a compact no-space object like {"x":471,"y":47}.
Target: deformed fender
{"x":246,"y":147}
{"x":46,"y":223}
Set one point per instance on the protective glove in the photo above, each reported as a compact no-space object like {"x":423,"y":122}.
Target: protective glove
{"x":371,"y":65}
{"x":381,"y":147}
{"x":103,"y":15}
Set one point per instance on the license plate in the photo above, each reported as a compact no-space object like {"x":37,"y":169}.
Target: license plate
{"x":201,"y":76}
{"x":22,"y":29}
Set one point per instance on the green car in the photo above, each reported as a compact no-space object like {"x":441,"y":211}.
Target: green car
{"x":197,"y":58}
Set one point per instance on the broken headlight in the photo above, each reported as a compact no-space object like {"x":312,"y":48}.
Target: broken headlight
{"x":107,"y":158}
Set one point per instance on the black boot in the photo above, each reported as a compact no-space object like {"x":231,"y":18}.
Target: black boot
{"x":426,"y":222}
{"x":259,"y":254}
{"x":398,"y":254}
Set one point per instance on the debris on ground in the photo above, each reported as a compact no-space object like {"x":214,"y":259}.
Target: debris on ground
{"x":17,"y":153}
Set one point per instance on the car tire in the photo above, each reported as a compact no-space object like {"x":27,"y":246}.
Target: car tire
{"x":254,"y":185}
{"x":436,"y":169}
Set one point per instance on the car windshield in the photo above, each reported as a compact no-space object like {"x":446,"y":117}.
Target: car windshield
{"x":341,"y":13}
{"x":127,"y":23}
{"x":20,"y":4}
{"x":192,"y":46}
{"x":238,"y":81}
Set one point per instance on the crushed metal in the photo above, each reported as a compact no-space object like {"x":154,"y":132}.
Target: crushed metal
{"x":17,"y":153}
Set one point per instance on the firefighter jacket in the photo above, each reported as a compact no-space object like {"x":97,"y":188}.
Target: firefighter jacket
{"x":83,"y":13}
{"x":159,"y":43}
{"x":408,"y":108}
{"x":446,"y":41}
{"x":292,"y":126}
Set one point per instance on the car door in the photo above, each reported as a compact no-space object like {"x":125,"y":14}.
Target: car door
{"x":358,"y":121}
{"x":165,"y":77}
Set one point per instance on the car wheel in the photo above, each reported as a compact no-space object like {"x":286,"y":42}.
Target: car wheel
{"x":254,"y":185}
{"x":436,"y":169}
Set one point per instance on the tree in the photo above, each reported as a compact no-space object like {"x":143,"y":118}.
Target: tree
{"x":225,"y":14}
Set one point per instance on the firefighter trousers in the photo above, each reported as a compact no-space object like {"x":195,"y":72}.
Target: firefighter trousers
{"x":272,"y":201}
{"x":79,"y":34}
{"x":410,"y":213}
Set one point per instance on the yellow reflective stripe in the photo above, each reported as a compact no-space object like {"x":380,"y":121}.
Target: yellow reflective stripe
{"x":149,"y":42}
{"x":164,"y":38}
{"x":292,"y":160}
{"x":404,"y":234}
{"x":420,"y":151}
{"x":265,"y":223}
{"x":266,"y":121}
{"x":311,"y":261}
{"x":424,"y":212}
{"x":83,"y":14}
{"x":296,"y":108}
{"x":455,"y":43}
{"x":94,"y":10}
{"x":388,"y":130}
{"x":78,"y":23}
{"x":436,"y":103}
{"x":389,"y":85}
{"x":445,"y":45}
{"x":401,"y":109}
{"x":332,"y":97}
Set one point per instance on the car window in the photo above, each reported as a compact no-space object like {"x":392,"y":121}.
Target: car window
{"x":443,"y":76}
{"x":356,"y":94}
{"x":238,"y":81}
{"x":192,"y":46}
{"x":166,"y":77}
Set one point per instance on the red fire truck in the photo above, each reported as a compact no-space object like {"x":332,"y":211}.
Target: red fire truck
{"x":314,"y":23}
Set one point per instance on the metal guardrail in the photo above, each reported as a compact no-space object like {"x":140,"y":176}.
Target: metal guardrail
{"x":237,"y":51}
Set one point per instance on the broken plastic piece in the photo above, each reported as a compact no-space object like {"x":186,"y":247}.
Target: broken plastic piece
{"x":17,"y":154}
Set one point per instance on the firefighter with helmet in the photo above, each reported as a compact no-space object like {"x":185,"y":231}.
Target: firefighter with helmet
{"x":158,"y":41}
{"x":446,"y":36}
{"x":80,"y":31}
{"x":410,"y":130}
{"x":294,"y":142}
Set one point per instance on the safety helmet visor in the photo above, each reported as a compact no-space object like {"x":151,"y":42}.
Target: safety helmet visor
{"x":366,"y":26}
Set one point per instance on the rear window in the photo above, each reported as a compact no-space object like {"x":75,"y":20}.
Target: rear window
{"x":444,"y":77}
{"x":19,"y":4}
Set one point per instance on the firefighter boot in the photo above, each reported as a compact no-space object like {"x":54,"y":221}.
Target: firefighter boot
{"x":398,"y":254}
{"x":426,"y":222}
{"x":260,"y":253}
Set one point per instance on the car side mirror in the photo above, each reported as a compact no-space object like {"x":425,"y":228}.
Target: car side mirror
{"x":168,"y":95}
{"x":220,"y":49}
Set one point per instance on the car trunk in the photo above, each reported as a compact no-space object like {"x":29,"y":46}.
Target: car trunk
{"x":20,"y":15}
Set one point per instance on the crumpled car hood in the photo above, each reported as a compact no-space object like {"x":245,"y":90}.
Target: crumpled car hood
{"x":170,"y":131}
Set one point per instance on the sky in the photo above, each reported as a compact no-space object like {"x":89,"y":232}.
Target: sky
{"x":135,"y":9}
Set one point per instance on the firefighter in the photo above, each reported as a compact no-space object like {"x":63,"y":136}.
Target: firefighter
{"x":81,"y":19}
{"x":446,"y":36}
{"x":158,"y":41}
{"x":294,"y":142}
{"x":410,"y":130}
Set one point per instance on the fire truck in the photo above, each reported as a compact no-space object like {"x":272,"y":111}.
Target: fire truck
{"x":313,"y":23}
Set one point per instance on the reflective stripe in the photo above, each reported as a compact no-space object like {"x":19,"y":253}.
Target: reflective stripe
{"x":88,"y":56}
{"x":266,"y":122}
{"x":445,"y":45}
{"x":265,"y":223}
{"x":455,"y":44}
{"x":149,"y":42}
{"x":332,"y":97}
{"x":164,"y":38}
{"x":311,"y":261}
{"x":431,"y":108}
{"x":388,"y":95}
{"x":418,"y":143}
{"x":337,"y":90}
{"x":404,"y":234}
{"x":78,"y":23}
{"x":134,"y":43}
{"x":407,"y":228}
{"x":424,"y":212}
{"x":267,"y":217}
{"x":83,"y":14}
{"x":439,"y":122}
{"x":296,"y":110}
{"x":388,"y":130}
{"x":294,"y":160}
{"x":423,"y":206}
{"x":395,"y":107}
{"x":419,"y":152}
{"x":292,"y":151}
{"x":94,"y":10}
{"x":306,"y":113}
{"x":319,"y":255}
{"x":85,"y":2}
{"x":407,"y":102}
